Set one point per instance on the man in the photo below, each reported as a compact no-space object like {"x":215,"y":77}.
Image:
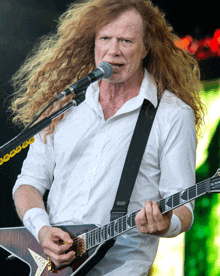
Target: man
{"x":82,"y":156}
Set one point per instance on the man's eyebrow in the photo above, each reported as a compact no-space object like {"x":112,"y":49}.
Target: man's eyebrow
{"x":132,"y":38}
{"x":104,"y":35}
{"x":126,"y":37}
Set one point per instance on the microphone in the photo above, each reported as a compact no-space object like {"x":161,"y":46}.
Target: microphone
{"x":103,"y":71}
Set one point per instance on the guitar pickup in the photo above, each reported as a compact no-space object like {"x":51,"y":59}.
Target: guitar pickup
{"x":80,"y":245}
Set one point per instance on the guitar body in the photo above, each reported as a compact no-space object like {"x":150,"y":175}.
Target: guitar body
{"x":17,"y":241}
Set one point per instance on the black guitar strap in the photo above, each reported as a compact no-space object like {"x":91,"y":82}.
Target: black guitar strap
{"x":133,"y":159}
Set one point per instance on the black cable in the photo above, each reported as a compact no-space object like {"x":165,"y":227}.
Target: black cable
{"x":38,"y":116}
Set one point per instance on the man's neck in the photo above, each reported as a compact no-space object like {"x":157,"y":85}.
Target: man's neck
{"x":109,"y":92}
{"x":113,"y":96}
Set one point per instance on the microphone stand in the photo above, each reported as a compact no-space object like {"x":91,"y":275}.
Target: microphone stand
{"x":29,"y":133}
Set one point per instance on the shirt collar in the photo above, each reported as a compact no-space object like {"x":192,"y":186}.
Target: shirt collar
{"x":148,"y":91}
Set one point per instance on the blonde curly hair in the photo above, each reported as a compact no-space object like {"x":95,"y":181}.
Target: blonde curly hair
{"x":68,"y":55}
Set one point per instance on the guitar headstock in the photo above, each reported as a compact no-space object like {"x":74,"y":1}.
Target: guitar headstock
{"x":215,"y":183}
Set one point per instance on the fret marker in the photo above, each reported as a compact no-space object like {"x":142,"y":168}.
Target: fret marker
{"x":101,"y":234}
{"x":129,"y":221}
{"x":116,"y":227}
{"x":168,"y":203}
{"x":109,"y":230}
{"x":183,"y":196}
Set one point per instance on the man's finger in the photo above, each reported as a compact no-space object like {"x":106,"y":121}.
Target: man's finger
{"x":59,"y":249}
{"x":62,"y":235}
{"x":61,"y":260}
{"x":149,"y":212}
{"x":140,"y":218}
{"x":158,"y":217}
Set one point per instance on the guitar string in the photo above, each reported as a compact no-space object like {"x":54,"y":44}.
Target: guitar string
{"x":99,"y":231}
{"x":95,"y":234}
{"x":105,"y":232}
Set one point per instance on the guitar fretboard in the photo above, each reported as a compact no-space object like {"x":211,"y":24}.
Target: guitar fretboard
{"x":127,"y":222}
{"x":183,"y":197}
{"x":110,"y":230}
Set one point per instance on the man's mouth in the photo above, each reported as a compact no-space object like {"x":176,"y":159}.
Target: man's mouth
{"x":116,"y":65}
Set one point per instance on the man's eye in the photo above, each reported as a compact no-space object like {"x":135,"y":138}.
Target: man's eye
{"x":104,"y":38}
{"x":126,"y":41}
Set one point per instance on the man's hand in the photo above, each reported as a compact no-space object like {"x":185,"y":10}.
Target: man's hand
{"x":49,"y":238}
{"x":149,"y":220}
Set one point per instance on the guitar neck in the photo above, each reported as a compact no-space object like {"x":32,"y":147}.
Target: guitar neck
{"x":187,"y":195}
{"x":127,"y":222}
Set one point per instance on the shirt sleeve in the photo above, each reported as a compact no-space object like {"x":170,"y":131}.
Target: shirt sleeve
{"x":38,"y":167}
{"x":178,"y":154}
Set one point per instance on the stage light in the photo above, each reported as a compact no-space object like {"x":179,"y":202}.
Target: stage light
{"x":203,"y":49}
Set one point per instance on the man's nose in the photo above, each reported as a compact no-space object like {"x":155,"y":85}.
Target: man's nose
{"x":114,"y":48}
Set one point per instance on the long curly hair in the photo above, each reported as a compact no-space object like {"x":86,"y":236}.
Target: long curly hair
{"x":68,"y":55}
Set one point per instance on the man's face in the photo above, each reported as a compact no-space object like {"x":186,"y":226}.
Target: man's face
{"x":120,"y":43}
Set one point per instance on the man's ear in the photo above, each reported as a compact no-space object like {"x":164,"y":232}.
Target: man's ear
{"x":145,"y":52}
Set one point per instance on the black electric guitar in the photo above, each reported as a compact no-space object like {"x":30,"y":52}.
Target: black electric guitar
{"x":91,"y":242}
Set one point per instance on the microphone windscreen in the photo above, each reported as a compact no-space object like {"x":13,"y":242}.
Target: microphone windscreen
{"x":106,"y":69}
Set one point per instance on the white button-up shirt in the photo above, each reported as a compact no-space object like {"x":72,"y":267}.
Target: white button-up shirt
{"x":81,"y":165}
